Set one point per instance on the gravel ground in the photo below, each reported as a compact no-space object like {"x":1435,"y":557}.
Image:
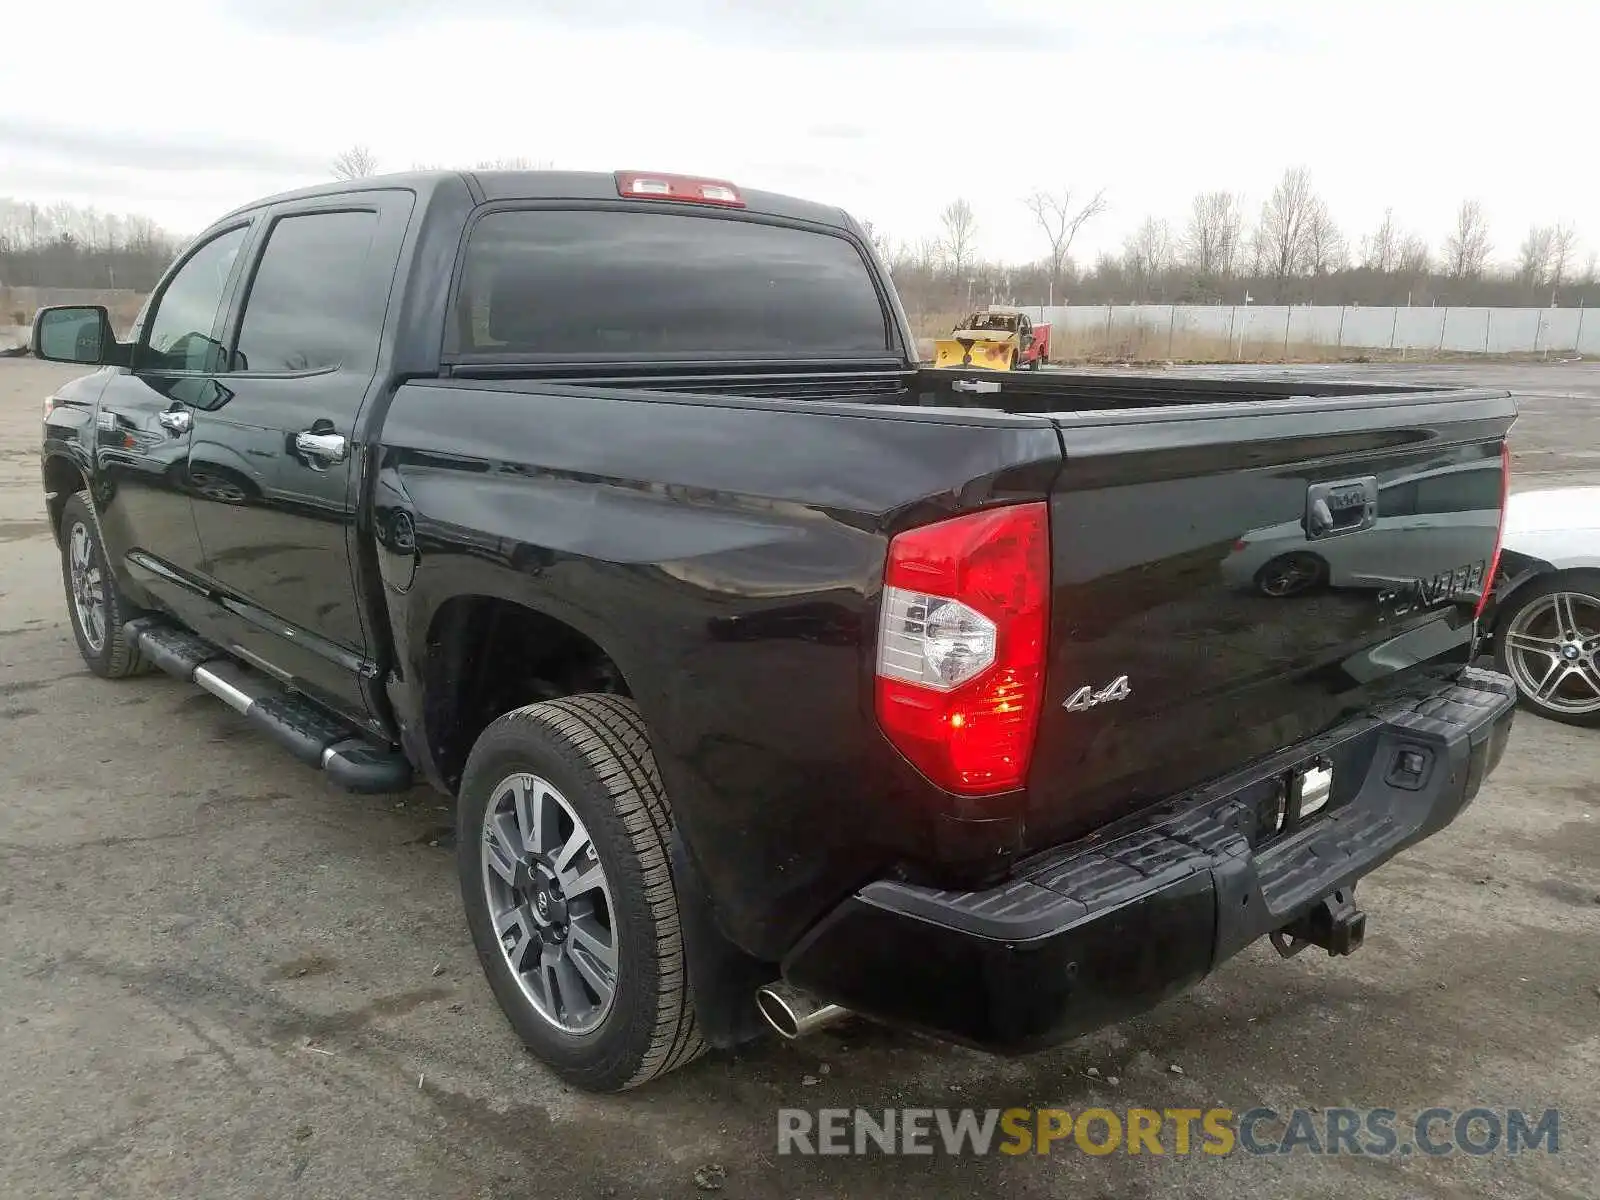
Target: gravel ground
{"x":220,"y":976}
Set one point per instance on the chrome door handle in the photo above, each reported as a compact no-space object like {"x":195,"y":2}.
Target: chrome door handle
{"x":326,"y":448}
{"x":177,"y":420}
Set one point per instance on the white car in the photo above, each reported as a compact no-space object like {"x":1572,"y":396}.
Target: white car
{"x":1457,"y":503}
{"x":1545,"y":623}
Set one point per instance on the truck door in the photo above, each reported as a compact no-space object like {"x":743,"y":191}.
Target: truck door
{"x":146,"y":419}
{"x":275,"y":463}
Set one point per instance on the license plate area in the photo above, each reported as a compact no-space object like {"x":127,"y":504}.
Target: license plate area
{"x":1297,"y":799}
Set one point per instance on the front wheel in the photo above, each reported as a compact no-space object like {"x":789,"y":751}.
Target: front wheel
{"x":1548,"y":640}
{"x":562,"y":856}
{"x":96,"y":607}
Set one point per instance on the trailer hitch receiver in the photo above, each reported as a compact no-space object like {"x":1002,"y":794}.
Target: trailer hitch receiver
{"x":1334,"y":923}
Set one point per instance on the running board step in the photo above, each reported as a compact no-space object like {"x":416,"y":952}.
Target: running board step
{"x":306,"y":731}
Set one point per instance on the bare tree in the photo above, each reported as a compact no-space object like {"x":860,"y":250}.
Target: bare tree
{"x":355,"y":163}
{"x":1563,"y":253}
{"x":1414,"y":258}
{"x":1210,"y":241}
{"x":1325,"y":248}
{"x":1466,"y":250}
{"x":1533,"y":256}
{"x":926,"y":254}
{"x":1591,"y":269}
{"x":1146,"y":255}
{"x":63,"y":245}
{"x":515,"y":162}
{"x":960,"y":241}
{"x":1380,"y":250}
{"x":1060,"y":222}
{"x":1286,"y":219}
{"x":878,"y":240}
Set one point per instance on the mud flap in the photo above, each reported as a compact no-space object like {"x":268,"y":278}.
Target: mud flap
{"x":724,"y":978}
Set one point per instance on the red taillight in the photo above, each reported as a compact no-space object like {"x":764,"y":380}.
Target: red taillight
{"x":686,"y":189}
{"x":1500,"y":531}
{"x":961,"y":646}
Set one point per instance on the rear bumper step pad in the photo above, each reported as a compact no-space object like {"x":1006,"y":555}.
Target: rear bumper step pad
{"x":312,"y":735}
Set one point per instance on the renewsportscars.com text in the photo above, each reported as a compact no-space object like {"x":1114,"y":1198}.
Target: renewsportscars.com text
{"x":1379,"y":1132}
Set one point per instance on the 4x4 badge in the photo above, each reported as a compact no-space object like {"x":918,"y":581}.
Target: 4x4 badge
{"x":1086,"y":697}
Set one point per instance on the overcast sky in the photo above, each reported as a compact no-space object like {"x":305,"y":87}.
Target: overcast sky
{"x":180,"y":109}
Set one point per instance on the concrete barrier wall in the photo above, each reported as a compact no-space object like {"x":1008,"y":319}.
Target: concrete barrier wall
{"x":1422,"y":330}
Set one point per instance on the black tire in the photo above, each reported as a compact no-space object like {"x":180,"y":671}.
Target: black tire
{"x":594,"y":750}
{"x":109,"y":652}
{"x":1583,"y":583}
{"x":1293,"y":574}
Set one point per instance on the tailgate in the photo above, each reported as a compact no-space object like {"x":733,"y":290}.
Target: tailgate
{"x":1229,"y":579}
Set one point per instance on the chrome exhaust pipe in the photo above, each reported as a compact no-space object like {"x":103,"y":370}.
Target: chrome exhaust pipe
{"x":795,"y":1014}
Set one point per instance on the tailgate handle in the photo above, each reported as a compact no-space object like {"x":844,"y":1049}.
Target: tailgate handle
{"x":980,"y":386}
{"x":1344,"y":506}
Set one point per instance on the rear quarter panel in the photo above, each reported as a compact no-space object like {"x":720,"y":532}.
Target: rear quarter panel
{"x":728,"y":556}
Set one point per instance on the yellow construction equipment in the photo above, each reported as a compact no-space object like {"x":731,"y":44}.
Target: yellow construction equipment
{"x":962,"y":349}
{"x":994,"y":341}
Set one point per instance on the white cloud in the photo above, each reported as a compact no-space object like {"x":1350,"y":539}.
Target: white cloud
{"x":183,"y":109}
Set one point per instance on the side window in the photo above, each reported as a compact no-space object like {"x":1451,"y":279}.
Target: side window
{"x":1398,"y":500}
{"x":315,"y":303}
{"x":1472,"y":490}
{"x":180,"y":329}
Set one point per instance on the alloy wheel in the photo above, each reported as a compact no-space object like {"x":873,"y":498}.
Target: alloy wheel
{"x":88,"y":594}
{"x":1552,"y":647}
{"x":550,"y":902}
{"x":1289,"y":576}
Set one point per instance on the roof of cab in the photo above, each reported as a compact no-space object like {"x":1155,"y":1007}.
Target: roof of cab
{"x":542,"y":185}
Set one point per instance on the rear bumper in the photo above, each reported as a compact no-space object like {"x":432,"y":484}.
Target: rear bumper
{"x":1099,"y":930}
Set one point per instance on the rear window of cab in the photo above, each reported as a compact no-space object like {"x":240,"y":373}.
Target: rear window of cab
{"x":555,"y":283}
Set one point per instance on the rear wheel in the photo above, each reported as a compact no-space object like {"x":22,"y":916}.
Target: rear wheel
{"x":96,"y":607}
{"x":564,"y":874}
{"x":1548,"y":640}
{"x":1291,"y":575}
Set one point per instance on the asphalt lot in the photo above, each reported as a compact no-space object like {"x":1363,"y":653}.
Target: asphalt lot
{"x":220,"y":976}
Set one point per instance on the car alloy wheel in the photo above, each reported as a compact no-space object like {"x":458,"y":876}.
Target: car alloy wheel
{"x":1552,"y":649}
{"x":87,"y":585}
{"x":1289,"y":575}
{"x":550,"y":903}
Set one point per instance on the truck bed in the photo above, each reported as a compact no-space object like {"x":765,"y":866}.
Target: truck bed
{"x":1076,"y":391}
{"x":1053,"y":393}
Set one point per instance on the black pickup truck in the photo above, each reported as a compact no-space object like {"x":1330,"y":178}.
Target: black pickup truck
{"x":776,"y":676}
